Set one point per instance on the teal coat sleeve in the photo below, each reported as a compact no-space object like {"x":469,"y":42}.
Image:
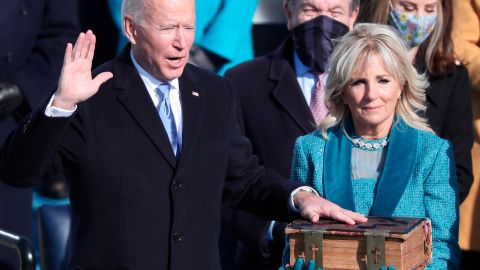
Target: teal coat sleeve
{"x":441,"y":206}
{"x":307,"y":161}
{"x":300,"y":168}
{"x":301,"y":172}
{"x":307,"y":169}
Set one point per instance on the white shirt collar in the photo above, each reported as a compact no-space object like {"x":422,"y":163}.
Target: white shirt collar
{"x":151,"y":83}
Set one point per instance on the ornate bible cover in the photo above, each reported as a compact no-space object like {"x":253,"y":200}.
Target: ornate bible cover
{"x":404,"y":243}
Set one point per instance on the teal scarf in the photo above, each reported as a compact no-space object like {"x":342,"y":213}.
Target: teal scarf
{"x":337,"y":171}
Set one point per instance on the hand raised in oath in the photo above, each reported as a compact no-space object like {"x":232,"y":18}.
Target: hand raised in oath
{"x":76,"y":83}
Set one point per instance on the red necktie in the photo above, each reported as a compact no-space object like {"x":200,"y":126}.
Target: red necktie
{"x":317,"y":102}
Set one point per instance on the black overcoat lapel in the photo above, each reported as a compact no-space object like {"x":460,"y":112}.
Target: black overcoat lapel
{"x":287,"y":91}
{"x":137,"y":102}
{"x":192,"y":97}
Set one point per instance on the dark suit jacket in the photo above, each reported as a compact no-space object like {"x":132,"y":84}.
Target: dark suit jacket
{"x":449,"y":112}
{"x":273,"y":113}
{"x":134,"y":205}
{"x":33,"y":37}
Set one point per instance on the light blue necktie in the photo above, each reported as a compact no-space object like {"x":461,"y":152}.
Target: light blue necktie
{"x":165,"y":112}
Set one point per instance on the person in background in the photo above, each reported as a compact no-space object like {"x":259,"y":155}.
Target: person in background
{"x":33,"y":35}
{"x":223,"y":37}
{"x":466,"y":39}
{"x":151,"y":154}
{"x":375,"y":153}
{"x":426,"y":27}
{"x":280,"y":98}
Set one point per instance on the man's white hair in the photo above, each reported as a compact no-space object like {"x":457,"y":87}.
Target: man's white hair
{"x":134,"y":9}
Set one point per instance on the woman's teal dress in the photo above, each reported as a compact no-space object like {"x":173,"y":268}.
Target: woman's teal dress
{"x":415,"y":178}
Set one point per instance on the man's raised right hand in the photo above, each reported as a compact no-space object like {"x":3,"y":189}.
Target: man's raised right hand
{"x":76,"y":83}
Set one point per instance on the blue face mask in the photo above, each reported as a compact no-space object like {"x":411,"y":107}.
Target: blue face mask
{"x":313,"y":41}
{"x":412,"y":28}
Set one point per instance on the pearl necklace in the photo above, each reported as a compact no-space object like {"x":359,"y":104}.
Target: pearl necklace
{"x":369,"y":145}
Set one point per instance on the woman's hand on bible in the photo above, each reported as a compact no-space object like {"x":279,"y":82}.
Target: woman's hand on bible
{"x":299,"y":265}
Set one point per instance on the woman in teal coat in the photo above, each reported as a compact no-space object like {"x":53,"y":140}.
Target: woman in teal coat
{"x":375,"y":154}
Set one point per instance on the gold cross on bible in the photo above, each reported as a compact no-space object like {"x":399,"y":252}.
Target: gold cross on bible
{"x":314,"y":250}
{"x":375,"y":252}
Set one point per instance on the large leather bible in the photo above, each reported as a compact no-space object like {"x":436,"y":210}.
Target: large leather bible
{"x":404,"y":243}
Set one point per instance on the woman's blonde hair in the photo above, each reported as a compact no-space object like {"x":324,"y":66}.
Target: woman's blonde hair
{"x":353,"y":52}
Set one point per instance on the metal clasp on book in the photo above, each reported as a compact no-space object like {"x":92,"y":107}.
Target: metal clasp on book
{"x":313,"y":247}
{"x":375,"y":256}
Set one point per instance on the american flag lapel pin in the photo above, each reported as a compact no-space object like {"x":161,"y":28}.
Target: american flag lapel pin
{"x":195,"y":93}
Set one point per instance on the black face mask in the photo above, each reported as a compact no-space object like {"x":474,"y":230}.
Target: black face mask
{"x":313,"y":41}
